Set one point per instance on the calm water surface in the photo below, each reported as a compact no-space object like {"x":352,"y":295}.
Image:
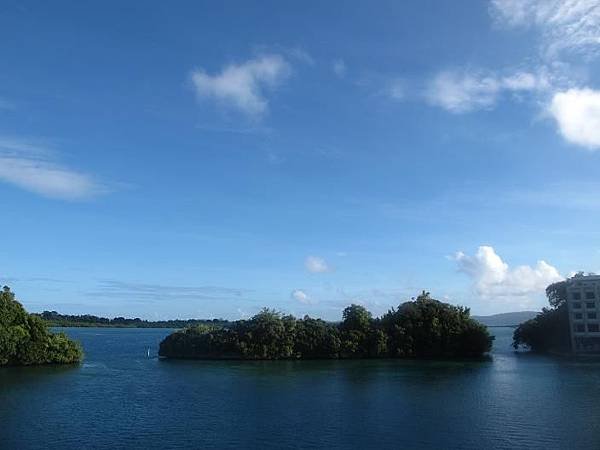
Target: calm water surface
{"x":120,"y":398}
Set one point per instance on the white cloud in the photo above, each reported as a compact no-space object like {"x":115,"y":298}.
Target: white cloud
{"x":31,"y":167}
{"x":315,"y":264}
{"x":493,"y":279}
{"x":465,"y":91}
{"x":302,"y":297}
{"x":462,"y":92}
{"x":242,"y":86}
{"x":565,"y":25}
{"x":577,"y":113}
{"x":525,"y":81}
{"x":339,"y":68}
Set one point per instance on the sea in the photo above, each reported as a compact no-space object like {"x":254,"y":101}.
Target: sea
{"x":122,"y":396}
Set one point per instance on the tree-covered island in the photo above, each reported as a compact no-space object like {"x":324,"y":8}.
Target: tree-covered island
{"x":423,"y":328}
{"x":25,"y":339}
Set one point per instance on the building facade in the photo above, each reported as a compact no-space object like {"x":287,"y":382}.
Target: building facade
{"x":583,"y":300}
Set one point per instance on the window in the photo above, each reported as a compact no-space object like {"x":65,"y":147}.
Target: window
{"x":579,"y":328}
{"x":590,"y":295}
{"x":576,"y":305}
{"x":578,"y":316}
{"x":576,"y":295}
{"x":592,"y":315}
{"x":590,"y":305}
{"x":593,"y":328}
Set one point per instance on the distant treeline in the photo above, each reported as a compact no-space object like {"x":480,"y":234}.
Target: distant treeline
{"x":421,"y":328}
{"x":54,"y":319}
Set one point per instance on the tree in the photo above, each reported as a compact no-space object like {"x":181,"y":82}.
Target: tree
{"x":316,"y":339}
{"x":356,"y":318}
{"x":267,"y":335}
{"x":355,"y":328}
{"x":547,"y":331}
{"x":429,"y":328}
{"x":557,"y":293}
{"x":25,"y":339}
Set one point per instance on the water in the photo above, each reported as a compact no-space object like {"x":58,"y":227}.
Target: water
{"x":120,"y":398}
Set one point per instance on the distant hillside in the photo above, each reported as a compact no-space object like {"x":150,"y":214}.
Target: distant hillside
{"x":506,"y":319}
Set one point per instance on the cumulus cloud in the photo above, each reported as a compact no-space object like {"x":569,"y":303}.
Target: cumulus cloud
{"x":565,"y":25}
{"x":33,"y":168}
{"x":315,"y":264}
{"x":302,"y":297}
{"x":243,"y":86}
{"x":493,"y":279}
{"x":465,"y":91}
{"x":577,"y":114}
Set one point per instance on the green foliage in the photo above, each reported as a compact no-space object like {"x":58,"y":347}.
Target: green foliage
{"x":25,"y":339}
{"x":421,"y":328}
{"x":550,"y":329}
{"x":356,"y":329}
{"x":547,"y":331}
{"x":429,"y":328}
{"x":317,"y":339}
{"x":356,"y":318}
{"x":557,"y":294}
{"x":268,"y":335}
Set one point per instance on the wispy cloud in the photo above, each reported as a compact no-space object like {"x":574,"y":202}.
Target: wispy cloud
{"x":468,"y":90}
{"x":243,"y":86}
{"x":397,"y":89}
{"x":564,"y":28}
{"x":316,"y":264}
{"x":156,"y":292}
{"x":564,"y":25}
{"x":35,"y":168}
{"x":339,"y":68}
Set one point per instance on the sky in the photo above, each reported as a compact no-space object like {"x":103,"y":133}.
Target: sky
{"x":207,"y":159}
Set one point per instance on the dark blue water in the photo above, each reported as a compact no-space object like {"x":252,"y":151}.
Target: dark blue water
{"x":119,"y":398}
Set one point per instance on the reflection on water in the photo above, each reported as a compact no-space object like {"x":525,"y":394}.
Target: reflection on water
{"x":120,"y":398}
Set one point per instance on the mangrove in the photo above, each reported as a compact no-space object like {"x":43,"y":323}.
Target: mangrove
{"x":25,"y":339}
{"x":422,"y":328}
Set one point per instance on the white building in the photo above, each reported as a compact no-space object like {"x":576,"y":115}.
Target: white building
{"x":583,"y":300}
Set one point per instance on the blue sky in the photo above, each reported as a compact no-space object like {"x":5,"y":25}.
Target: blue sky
{"x":206,"y":159}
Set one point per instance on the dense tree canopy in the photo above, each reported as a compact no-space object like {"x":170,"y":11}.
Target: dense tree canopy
{"x":557,"y":293}
{"x":421,"y":328}
{"x":549,"y":330}
{"x":25,"y":339}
